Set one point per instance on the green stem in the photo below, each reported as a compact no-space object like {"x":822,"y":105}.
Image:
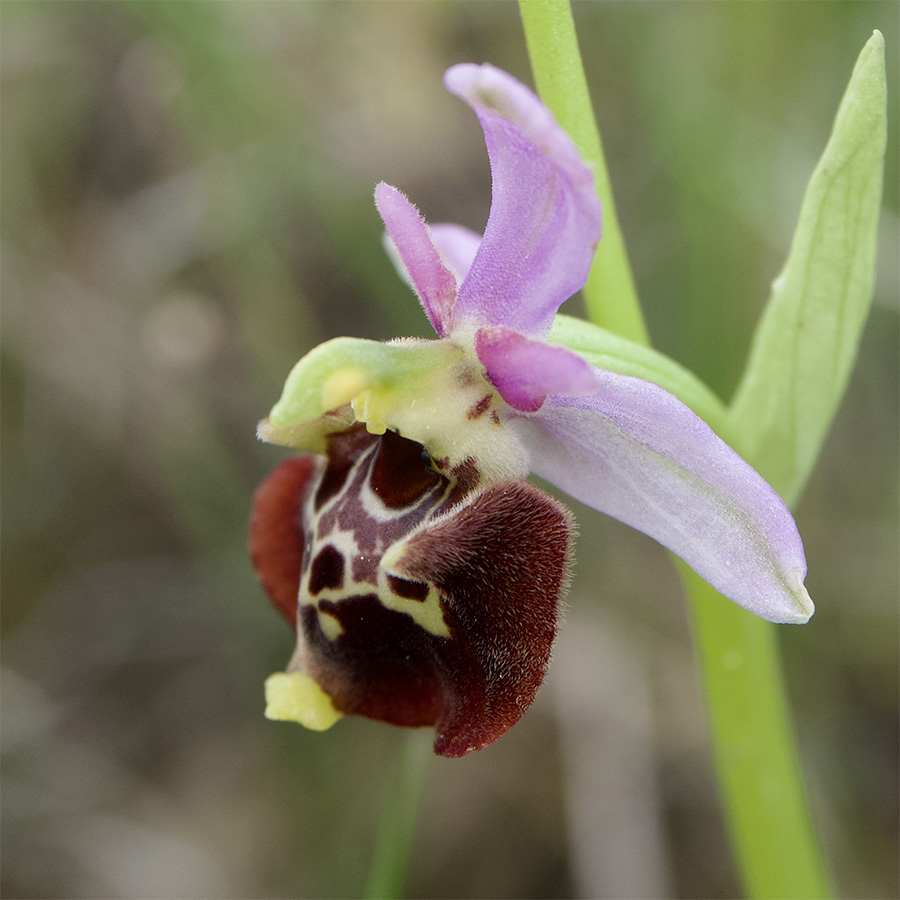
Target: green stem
{"x":609,"y":294}
{"x":768,"y":817}
{"x":400,"y":809}
{"x":759,"y":773}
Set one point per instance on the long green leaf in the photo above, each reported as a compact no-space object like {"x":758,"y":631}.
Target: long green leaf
{"x":799,"y":365}
{"x":806,"y":342}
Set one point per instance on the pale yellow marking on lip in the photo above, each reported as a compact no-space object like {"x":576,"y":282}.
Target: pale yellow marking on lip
{"x":295,"y":697}
{"x":426,"y":613}
{"x":342,"y":386}
{"x":330,"y":625}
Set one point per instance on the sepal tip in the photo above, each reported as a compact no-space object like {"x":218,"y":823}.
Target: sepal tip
{"x":802,"y":609}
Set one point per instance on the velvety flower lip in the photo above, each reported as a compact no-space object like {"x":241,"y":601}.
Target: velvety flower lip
{"x":412,"y":599}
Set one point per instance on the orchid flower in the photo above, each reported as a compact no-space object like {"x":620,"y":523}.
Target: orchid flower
{"x":422,"y":572}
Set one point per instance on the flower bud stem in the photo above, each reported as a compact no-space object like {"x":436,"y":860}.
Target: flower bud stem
{"x":761,"y":783}
{"x":401,"y":799}
{"x":610,"y":293}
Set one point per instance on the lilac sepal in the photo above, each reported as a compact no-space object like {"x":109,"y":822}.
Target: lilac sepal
{"x":434,"y":283}
{"x":635,"y":452}
{"x":526,"y":371}
{"x":545,"y":215}
{"x":457,"y":245}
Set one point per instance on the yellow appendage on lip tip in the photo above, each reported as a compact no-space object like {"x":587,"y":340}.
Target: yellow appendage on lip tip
{"x":295,"y":697}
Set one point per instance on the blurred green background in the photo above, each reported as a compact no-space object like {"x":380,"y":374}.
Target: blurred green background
{"x":186,"y":209}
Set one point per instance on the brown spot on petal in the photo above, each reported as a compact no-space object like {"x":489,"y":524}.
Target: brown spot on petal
{"x":480,"y":408}
{"x":401,"y":473}
{"x":276,"y":532}
{"x":465,"y":476}
{"x":326,"y":571}
{"x":409,"y":590}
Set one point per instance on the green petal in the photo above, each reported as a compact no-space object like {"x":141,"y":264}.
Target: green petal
{"x":315,"y":396}
{"x":606,"y":350}
{"x":431,"y":392}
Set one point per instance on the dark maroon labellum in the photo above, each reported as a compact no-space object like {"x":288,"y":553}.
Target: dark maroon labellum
{"x":420,"y":597}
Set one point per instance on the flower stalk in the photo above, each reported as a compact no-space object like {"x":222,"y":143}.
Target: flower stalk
{"x":401,"y":799}
{"x":760,"y":778}
{"x":609,"y":293}
{"x":761,"y":783}
{"x":423,"y":574}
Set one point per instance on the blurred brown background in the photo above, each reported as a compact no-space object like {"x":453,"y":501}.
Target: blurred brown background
{"x":186,"y":209}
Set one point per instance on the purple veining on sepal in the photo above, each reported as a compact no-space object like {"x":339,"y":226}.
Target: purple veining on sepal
{"x":525,"y":371}
{"x":434,"y":283}
{"x":637,"y":453}
{"x":545,"y":217}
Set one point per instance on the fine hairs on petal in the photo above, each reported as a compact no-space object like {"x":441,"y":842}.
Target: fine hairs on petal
{"x":434,"y":283}
{"x":545,"y":218}
{"x":501,"y":601}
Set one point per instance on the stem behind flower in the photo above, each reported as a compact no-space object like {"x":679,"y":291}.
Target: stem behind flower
{"x":760,"y":779}
{"x":610,"y":294}
{"x":400,"y":808}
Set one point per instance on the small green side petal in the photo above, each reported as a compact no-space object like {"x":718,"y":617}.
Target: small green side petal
{"x":334,"y":373}
{"x":806,"y":343}
{"x":426,"y":391}
{"x":606,"y":350}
